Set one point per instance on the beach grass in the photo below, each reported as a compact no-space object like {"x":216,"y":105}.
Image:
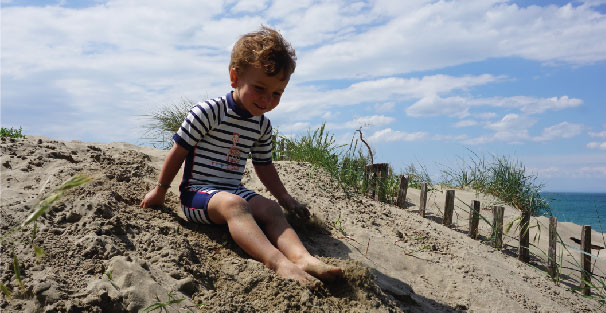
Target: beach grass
{"x":503,"y":177}
{"x":417,"y":174}
{"x":165,"y":122}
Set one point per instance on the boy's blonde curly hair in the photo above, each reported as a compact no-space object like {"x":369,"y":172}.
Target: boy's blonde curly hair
{"x":265,"y":49}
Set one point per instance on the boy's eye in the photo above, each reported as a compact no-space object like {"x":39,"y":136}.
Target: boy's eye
{"x":277,"y":94}
{"x":259,"y":88}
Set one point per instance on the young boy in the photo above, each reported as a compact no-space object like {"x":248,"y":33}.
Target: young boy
{"x":214,"y":141}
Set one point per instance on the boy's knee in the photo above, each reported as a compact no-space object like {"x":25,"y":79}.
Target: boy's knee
{"x":232,"y":205}
{"x":268,"y":211}
{"x":274,"y":209}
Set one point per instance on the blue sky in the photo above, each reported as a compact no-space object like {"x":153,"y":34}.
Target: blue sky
{"x":427,"y":80}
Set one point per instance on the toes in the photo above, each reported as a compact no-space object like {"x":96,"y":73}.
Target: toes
{"x":324,"y":271}
{"x":332,"y":274}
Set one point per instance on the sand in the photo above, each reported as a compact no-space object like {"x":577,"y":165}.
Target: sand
{"x":394,"y":260}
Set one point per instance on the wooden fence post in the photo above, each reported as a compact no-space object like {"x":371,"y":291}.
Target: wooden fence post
{"x":474,"y":219}
{"x":497,"y":219}
{"x":448,"y":207}
{"x":403,"y":190}
{"x":523,"y":249}
{"x":423,"y":199}
{"x":552,"y":262}
{"x":378,"y":175}
{"x":382,"y":173}
{"x":586,"y":259}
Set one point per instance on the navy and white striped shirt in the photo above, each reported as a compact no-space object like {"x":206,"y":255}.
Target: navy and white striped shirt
{"x":219,"y":137}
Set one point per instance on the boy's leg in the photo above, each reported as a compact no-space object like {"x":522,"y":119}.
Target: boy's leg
{"x":230,"y":209}
{"x":270,"y":215}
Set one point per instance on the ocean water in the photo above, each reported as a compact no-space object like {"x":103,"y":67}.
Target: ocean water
{"x":579,"y":208}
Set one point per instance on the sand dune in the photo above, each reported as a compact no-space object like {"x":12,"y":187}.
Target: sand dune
{"x":394,"y":260}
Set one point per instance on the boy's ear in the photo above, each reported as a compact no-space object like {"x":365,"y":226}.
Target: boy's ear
{"x":233,"y":77}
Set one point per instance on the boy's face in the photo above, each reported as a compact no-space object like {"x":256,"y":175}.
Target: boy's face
{"x":255,"y":91}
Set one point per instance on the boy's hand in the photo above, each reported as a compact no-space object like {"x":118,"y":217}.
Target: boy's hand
{"x":154,"y":198}
{"x":294,"y":206}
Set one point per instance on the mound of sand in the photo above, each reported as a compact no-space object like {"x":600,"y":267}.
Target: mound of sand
{"x":105,"y":254}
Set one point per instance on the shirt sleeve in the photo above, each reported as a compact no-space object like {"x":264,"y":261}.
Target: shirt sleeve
{"x":261,"y":150}
{"x":196,"y":124}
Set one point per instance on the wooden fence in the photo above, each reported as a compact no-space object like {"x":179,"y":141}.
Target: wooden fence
{"x":379,"y":171}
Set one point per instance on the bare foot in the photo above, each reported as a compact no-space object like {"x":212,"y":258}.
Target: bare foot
{"x":319,"y":269}
{"x":289,"y":270}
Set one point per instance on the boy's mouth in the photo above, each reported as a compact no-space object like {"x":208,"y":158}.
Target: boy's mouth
{"x":259,"y":107}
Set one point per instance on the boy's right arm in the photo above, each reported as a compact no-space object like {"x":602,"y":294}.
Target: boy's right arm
{"x":170,"y":168}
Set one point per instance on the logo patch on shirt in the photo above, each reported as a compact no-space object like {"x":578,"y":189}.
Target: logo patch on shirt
{"x":233,"y":156}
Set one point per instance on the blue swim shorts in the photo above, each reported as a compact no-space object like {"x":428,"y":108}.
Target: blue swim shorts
{"x":194,"y":201}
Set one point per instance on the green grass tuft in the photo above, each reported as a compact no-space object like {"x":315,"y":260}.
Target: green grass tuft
{"x":165,"y":122}
{"x":163,"y":305}
{"x":416,"y":176}
{"x":503,"y":177}
{"x":44,"y":205}
{"x":5,"y":290}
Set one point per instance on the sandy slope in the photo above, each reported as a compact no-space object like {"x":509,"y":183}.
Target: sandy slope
{"x":394,"y":260}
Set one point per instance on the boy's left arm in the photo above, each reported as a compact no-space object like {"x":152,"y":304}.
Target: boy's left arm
{"x":270,"y":178}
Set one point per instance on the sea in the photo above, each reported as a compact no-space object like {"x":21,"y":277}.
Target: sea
{"x":579,"y":208}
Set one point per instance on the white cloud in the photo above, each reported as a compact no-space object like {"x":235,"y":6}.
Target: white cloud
{"x":293,"y":128}
{"x":479,"y":140}
{"x":449,"y":137}
{"x":385,"y":107}
{"x":547,"y":172}
{"x":593,"y":171}
{"x":460,"y":106}
{"x":435,"y":106}
{"x":388,"y":135}
{"x":562,"y":130}
{"x":511,"y":122}
{"x":364,"y":121}
{"x":485,"y":115}
{"x":601,"y":134}
{"x":425,"y":35}
{"x":415,"y":87}
{"x":370,"y":121}
{"x":465,"y":123}
{"x":568,"y":160}
{"x":597,"y":145}
{"x":570,"y":171}
{"x":249,"y":6}
{"x":308,"y":99}
{"x":329,"y":115}
{"x":512,"y":128}
{"x":532,"y":105}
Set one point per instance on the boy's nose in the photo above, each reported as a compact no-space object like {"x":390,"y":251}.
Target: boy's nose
{"x":266,"y":98}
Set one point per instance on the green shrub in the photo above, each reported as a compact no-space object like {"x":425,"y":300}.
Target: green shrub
{"x":11,"y":132}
